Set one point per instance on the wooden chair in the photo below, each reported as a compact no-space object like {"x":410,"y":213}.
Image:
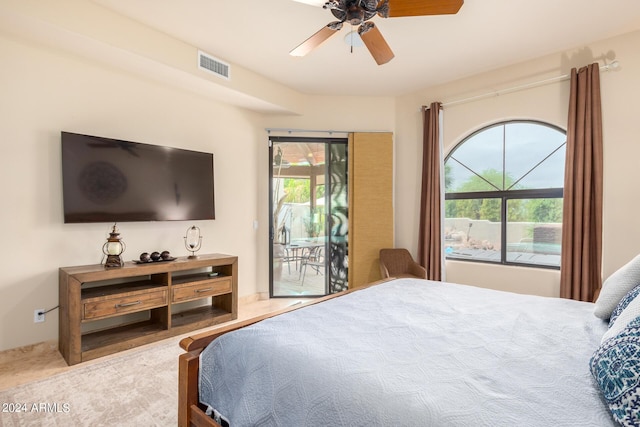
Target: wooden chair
{"x":397,"y":262}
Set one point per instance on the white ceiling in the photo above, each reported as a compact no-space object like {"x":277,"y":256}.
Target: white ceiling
{"x":429,"y":50}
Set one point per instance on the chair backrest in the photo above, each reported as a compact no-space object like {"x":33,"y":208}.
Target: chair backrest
{"x":395,"y":260}
{"x":318,"y":254}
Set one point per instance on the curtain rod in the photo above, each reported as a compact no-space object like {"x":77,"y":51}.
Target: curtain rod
{"x":607,"y":67}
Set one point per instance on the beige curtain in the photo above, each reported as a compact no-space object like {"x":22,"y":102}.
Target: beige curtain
{"x":582,"y":214}
{"x":430,"y":235}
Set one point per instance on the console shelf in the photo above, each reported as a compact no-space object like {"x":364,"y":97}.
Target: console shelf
{"x":160,"y":295}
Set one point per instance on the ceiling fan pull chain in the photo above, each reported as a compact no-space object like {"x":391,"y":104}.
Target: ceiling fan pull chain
{"x":351,"y":39}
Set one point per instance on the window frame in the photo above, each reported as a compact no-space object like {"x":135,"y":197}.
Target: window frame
{"x":505,"y":195}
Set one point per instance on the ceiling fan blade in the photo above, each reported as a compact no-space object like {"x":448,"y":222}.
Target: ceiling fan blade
{"x":399,"y":8}
{"x":314,"y":41}
{"x":377,"y":45}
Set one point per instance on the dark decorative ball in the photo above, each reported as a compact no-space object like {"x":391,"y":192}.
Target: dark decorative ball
{"x":165,"y":255}
{"x":144,"y":257}
{"x":155,"y":256}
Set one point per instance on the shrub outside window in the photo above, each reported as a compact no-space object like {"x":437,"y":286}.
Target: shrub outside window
{"x":503,"y":195}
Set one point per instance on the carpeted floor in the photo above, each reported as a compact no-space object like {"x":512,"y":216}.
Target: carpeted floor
{"x":137,"y":388}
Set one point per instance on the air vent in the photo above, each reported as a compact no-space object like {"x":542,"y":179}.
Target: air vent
{"x":213,"y":65}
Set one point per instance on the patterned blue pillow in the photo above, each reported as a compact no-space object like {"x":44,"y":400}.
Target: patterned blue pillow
{"x":624,"y":302}
{"x":616,"y":368}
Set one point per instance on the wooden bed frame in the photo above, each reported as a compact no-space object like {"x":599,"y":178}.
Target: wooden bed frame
{"x":190,"y":412}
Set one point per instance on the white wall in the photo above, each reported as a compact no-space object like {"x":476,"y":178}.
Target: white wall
{"x":549,"y":103}
{"x":340,"y":113}
{"x":321,"y":116}
{"x":45,"y":92}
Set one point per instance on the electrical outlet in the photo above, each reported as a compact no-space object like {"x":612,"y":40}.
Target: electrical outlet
{"x":38,"y":315}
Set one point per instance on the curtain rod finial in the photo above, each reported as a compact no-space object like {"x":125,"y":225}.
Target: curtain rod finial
{"x":614,"y":65}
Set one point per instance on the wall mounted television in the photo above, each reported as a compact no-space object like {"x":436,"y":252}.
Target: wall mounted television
{"x":110,"y":180}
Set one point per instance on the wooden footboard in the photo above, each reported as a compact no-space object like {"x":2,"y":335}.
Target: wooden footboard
{"x":190,"y":413}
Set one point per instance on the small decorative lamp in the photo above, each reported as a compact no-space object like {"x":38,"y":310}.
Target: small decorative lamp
{"x":113,"y":248}
{"x":193,"y":241}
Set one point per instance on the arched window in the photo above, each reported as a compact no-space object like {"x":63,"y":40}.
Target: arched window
{"x":503,"y":195}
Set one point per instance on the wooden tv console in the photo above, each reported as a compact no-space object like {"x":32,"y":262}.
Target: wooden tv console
{"x":162,"y":296}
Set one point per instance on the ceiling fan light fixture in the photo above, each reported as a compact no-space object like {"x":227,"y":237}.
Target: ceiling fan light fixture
{"x":355,"y":17}
{"x":353,"y":39}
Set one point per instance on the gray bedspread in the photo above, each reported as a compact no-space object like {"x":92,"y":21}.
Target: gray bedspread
{"x":412,"y":353}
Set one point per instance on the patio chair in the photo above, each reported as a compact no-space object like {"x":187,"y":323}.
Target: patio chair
{"x":397,"y":262}
{"x":315,"y":260}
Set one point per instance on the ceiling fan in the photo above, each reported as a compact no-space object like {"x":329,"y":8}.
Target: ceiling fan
{"x":359,"y":12}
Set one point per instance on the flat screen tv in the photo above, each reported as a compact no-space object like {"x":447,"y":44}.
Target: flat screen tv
{"x":110,"y":180}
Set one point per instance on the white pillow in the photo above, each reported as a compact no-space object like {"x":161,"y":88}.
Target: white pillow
{"x":616,"y":287}
{"x":628,"y":314}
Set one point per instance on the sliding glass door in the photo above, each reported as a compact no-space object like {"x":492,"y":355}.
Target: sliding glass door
{"x":309,"y":216}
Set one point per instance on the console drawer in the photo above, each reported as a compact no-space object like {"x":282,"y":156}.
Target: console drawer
{"x":123,"y":304}
{"x":206,"y":288}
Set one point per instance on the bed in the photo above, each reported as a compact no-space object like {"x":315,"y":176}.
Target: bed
{"x":404,"y":352}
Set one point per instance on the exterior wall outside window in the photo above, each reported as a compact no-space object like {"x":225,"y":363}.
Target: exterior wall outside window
{"x":504,"y":195}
